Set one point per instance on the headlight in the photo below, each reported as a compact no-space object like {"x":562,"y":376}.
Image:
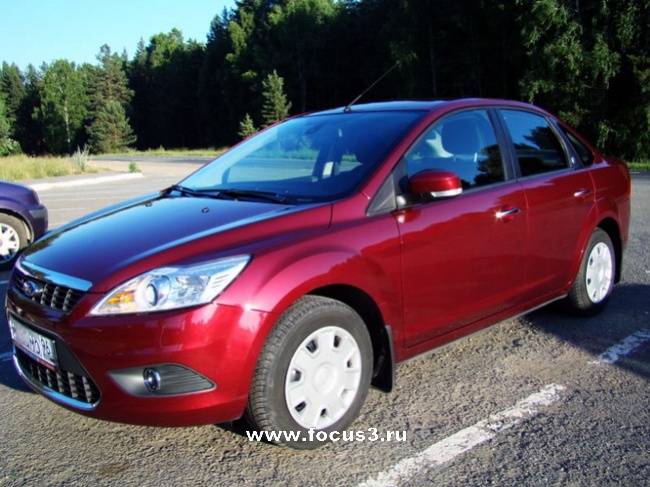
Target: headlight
{"x":172,"y":287}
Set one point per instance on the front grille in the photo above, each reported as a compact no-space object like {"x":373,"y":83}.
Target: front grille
{"x":50,"y":295}
{"x":78,"y":388}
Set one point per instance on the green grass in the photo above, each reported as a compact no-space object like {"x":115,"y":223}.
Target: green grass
{"x":210,"y":152}
{"x":21,"y":167}
{"x":639,"y":166}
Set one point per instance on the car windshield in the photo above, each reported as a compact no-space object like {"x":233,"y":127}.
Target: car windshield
{"x":302,"y":160}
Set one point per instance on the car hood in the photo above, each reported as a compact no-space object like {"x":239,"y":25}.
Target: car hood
{"x":115,"y":244}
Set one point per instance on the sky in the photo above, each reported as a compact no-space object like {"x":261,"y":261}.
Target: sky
{"x":38,"y":31}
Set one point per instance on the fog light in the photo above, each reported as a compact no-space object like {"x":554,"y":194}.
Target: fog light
{"x":151,"y":379}
{"x":161,"y":380}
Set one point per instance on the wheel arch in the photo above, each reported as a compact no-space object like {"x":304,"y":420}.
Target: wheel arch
{"x":383,"y":376}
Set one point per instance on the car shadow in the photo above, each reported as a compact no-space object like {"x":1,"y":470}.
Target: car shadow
{"x":627,"y":313}
{"x":9,"y":376}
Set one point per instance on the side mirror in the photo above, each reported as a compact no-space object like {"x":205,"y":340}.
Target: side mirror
{"x":437,"y":183}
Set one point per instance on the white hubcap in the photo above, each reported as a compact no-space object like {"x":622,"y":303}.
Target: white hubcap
{"x":9,"y":243}
{"x":599,"y":273}
{"x":323,"y":377}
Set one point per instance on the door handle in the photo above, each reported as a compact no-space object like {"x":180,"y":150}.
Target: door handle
{"x":582,"y":194}
{"x":507,"y":215}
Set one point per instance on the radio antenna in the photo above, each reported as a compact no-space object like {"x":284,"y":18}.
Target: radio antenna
{"x":349,"y":105}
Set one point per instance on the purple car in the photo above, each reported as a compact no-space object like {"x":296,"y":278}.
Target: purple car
{"x":23,"y":219}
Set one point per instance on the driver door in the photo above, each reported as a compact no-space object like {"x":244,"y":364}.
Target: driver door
{"x":463,"y":257}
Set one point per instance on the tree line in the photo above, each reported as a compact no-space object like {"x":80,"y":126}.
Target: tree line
{"x":586,"y":60}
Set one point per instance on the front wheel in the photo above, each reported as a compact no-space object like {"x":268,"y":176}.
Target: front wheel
{"x":13,"y":238}
{"x":595,"y":280}
{"x":313,"y":373}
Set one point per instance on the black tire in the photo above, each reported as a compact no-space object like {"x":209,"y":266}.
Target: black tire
{"x":595,"y":280}
{"x":13,"y":239}
{"x":300,"y":370}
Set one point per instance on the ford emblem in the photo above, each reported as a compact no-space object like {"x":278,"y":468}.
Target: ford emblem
{"x":31,"y":289}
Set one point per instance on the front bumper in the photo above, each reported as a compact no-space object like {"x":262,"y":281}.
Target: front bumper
{"x":182,"y":368}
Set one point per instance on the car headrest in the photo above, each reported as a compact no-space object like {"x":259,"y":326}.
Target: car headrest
{"x":460,"y":137}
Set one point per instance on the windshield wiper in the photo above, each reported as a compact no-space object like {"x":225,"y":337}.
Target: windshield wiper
{"x":234,"y":194}
{"x":249,"y":193}
{"x":192,"y":192}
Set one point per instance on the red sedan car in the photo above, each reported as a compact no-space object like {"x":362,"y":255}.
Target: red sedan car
{"x":282,"y":280}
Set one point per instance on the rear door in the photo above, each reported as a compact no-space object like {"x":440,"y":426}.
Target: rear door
{"x":559,"y":193}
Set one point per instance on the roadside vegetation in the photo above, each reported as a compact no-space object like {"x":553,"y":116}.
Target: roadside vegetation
{"x":24,"y":168}
{"x":161,"y":151}
{"x":20,"y":167}
{"x":640,"y":166}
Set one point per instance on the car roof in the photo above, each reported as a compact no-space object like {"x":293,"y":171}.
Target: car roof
{"x":425,"y":105}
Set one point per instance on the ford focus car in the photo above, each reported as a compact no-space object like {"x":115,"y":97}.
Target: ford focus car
{"x":285,"y":278}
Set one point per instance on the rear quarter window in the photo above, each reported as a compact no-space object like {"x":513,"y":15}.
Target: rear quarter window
{"x":584,"y":153}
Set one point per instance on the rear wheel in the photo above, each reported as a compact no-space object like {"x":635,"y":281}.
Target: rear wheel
{"x":13,"y":238}
{"x":595,"y":281}
{"x":313,"y":374}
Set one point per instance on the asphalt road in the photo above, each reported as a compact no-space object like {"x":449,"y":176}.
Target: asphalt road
{"x":542,"y":400}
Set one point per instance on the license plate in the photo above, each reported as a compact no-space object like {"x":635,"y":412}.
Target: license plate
{"x":38,"y":346}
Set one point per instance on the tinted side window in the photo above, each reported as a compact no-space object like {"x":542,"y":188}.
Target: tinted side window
{"x":463,"y":143}
{"x":538,"y":148}
{"x":586,"y":156}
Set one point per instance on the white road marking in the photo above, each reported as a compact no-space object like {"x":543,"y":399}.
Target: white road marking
{"x":624,"y":347}
{"x":6,"y":356}
{"x":84,"y":182}
{"x":464,"y":440}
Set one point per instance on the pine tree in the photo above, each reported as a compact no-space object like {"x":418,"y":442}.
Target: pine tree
{"x":246,"y":127}
{"x":216,"y":109}
{"x":7,"y":144}
{"x":275,"y":107}
{"x":165,"y":75}
{"x":109,"y":129}
{"x":12,"y":84}
{"x":302,"y":40}
{"x":4,"y":121}
{"x":29,"y":128}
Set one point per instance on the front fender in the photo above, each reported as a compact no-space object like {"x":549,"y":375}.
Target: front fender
{"x":282,"y":282}
{"x":364,"y":256}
